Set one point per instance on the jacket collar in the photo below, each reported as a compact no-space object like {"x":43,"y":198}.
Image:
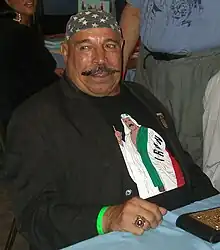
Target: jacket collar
{"x":69,"y":88}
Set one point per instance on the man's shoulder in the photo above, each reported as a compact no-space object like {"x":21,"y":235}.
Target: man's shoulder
{"x":148,"y":99}
{"x":140,"y":90}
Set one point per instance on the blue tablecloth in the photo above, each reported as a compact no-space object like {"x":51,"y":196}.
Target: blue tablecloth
{"x":166,"y":237}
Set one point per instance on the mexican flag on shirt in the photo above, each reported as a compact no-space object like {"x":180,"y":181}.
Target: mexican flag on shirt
{"x":149,"y":163}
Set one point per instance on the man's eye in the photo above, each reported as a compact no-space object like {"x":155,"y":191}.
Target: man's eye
{"x":84,"y":47}
{"x":111,"y":46}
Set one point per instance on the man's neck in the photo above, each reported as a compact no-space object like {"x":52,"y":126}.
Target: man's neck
{"x":115,"y":91}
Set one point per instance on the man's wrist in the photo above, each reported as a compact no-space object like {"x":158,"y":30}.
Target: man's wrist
{"x":100,"y":225}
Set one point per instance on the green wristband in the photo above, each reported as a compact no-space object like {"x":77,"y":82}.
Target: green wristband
{"x":99,"y":220}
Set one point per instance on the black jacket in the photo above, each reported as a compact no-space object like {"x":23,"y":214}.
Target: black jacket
{"x":26,"y":66}
{"x":66,"y":164}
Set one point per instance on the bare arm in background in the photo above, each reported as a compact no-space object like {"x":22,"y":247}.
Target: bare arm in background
{"x":130,"y":24}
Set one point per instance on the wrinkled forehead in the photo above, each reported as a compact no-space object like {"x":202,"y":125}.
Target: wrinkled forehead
{"x":90,"y":20}
{"x":96,"y":36}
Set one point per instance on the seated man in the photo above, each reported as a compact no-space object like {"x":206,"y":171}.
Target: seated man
{"x":90,"y":154}
{"x":211,"y":131}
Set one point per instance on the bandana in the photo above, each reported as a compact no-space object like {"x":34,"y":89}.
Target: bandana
{"x":90,"y":19}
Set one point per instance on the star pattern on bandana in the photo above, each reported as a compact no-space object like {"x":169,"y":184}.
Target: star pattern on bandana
{"x":85,"y":22}
{"x":95,"y":15}
{"x":94,"y":25}
{"x":102,"y":20}
{"x":91,"y":19}
{"x":81,"y":19}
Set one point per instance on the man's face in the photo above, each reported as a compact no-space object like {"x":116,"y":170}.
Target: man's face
{"x":93,"y":60}
{"x":24,"y":7}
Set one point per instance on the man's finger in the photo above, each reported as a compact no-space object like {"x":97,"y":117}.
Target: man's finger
{"x":163,"y":210}
{"x":135,"y":230}
{"x":153,"y":208}
{"x":150,"y":218}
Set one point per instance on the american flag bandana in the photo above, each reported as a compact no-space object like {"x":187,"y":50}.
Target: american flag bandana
{"x":91,"y":19}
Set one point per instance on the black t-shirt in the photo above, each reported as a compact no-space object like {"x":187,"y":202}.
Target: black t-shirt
{"x":112,"y":107}
{"x":148,"y":157}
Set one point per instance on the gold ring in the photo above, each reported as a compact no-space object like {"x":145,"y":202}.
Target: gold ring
{"x":140,"y":221}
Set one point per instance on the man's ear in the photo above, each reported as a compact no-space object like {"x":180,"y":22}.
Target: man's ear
{"x":64,"y":51}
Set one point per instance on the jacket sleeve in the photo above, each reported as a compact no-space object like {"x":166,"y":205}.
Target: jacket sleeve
{"x":201,"y":185}
{"x":42,"y":209}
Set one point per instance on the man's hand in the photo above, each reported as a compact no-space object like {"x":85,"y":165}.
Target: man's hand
{"x":125,"y":217}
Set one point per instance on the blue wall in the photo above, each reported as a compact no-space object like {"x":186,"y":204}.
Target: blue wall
{"x":60,"y":7}
{"x":69,"y":7}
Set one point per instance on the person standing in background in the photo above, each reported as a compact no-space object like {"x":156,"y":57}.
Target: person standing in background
{"x":26,"y":66}
{"x":211,"y":131}
{"x":179,"y":54}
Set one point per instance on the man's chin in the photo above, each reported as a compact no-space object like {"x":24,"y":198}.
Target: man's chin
{"x":103,"y":89}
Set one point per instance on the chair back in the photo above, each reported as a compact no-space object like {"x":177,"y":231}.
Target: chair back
{"x":2,"y":144}
{"x":11,"y":236}
{"x":13,"y":230}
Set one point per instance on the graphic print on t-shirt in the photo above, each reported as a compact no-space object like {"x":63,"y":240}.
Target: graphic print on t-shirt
{"x":179,"y":12}
{"x":150,"y":165}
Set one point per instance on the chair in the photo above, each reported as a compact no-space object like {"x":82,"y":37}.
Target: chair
{"x":2,"y":144}
{"x":13,"y":231}
{"x":11,"y":237}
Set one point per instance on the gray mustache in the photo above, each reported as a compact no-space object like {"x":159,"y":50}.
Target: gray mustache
{"x":99,"y":70}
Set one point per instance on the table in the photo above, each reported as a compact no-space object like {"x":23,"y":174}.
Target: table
{"x":166,"y":237}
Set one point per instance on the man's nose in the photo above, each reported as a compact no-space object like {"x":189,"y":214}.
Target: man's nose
{"x":99,"y":56}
